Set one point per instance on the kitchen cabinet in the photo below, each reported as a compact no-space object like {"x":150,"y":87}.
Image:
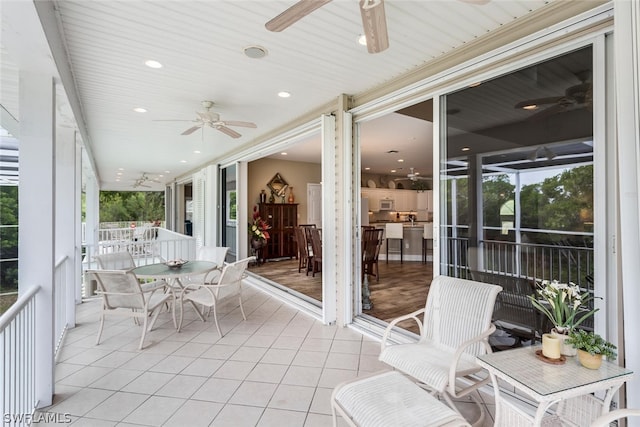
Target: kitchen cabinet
{"x":403,"y":200}
{"x":425,"y":200}
{"x":283,"y":219}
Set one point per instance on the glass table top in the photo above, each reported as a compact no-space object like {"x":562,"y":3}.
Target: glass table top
{"x":163,"y":270}
{"x":522,"y":366}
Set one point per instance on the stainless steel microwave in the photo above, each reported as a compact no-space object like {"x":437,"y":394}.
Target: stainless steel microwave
{"x":386,"y":205}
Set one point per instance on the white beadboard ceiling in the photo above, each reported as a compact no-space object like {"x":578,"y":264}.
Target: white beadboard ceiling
{"x":200,"y":44}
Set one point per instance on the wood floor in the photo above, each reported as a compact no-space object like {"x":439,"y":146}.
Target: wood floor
{"x":402,"y":288}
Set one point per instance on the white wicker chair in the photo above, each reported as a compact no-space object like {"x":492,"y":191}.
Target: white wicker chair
{"x":209,"y":294}
{"x":606,"y":419}
{"x":455,"y":329}
{"x":122,"y":295}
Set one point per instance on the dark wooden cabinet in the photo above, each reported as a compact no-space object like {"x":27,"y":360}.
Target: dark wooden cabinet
{"x":283,"y":219}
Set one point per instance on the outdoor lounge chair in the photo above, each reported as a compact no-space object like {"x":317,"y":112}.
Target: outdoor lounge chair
{"x":455,"y":329}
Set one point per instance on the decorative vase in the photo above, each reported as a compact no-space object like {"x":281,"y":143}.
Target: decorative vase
{"x":263,"y":196}
{"x":565,"y":349}
{"x":292,"y":198}
{"x":257,"y":243}
{"x":590,"y":361}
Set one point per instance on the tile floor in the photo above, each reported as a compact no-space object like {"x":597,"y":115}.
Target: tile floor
{"x":277,"y":368}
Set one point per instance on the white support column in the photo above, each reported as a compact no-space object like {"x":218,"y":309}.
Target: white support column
{"x":211,"y":208}
{"x":77,"y":213}
{"x":37,"y":216}
{"x":92,"y":211}
{"x":65,"y":206}
{"x":627,"y":80}
{"x":331,"y":222}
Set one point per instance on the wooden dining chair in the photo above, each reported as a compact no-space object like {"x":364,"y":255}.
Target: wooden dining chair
{"x":371,"y":243}
{"x":316,"y":246}
{"x":304,"y":256}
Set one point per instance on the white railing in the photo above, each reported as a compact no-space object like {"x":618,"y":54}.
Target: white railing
{"x":148,"y":246}
{"x":18,"y":358}
{"x":64,"y":297}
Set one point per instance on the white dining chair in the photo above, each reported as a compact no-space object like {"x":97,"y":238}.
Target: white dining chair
{"x":122,"y":295}
{"x":211,"y":294}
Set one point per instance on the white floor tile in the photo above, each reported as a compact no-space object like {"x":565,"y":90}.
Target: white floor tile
{"x":267,"y":373}
{"x":291,"y":397}
{"x":115,"y":359}
{"x":92,"y":422}
{"x":148,"y":382}
{"x":116,"y":379}
{"x":181,"y":386}
{"x":202,"y":367}
{"x":302,"y":375}
{"x":85,"y":376}
{"x":194,"y":414}
{"x":346,"y":346}
{"x":117,"y":406}
{"x":155,"y":411}
{"x":279,"y":418}
{"x":321,"y":403}
{"x":278,"y":356}
{"x":332,"y":377}
{"x":253,"y":394}
{"x":318,"y":420}
{"x":316,"y":344}
{"x":248,"y":354}
{"x":238,"y":416}
{"x":220,"y":351}
{"x":172,"y":364}
{"x":234,"y":370}
{"x":258,"y":340}
{"x":82,"y":402}
{"x":216,"y":390}
{"x":192,"y":349}
{"x":315,"y":359}
{"x":143,"y":361}
{"x":342,"y":361}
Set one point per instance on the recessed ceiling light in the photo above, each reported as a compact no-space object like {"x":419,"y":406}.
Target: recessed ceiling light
{"x":465,"y":148}
{"x":367,"y":169}
{"x":120,"y":169}
{"x":393,"y":171}
{"x":283,"y":153}
{"x":140,"y":110}
{"x":255,"y":52}
{"x":400,"y":160}
{"x":362,"y":39}
{"x":196,"y":151}
{"x":152,"y":64}
{"x":530,"y":107}
{"x":183,"y":161}
{"x":167,"y":171}
{"x":119,"y":173}
{"x":284,"y":94}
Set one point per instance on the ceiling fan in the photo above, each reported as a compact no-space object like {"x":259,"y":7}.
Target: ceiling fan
{"x":374,"y":21}
{"x":414,"y":176}
{"x":577,"y":96}
{"x":212,"y":120}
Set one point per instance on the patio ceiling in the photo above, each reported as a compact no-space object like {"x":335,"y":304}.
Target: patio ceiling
{"x":200,"y":45}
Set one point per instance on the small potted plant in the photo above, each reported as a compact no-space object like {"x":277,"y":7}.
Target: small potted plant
{"x":591,"y":347}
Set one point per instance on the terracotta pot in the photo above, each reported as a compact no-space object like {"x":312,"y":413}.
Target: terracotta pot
{"x":591,"y":361}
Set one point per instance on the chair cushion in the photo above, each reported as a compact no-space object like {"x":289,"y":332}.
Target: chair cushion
{"x":427,"y":362}
{"x":389,"y":399}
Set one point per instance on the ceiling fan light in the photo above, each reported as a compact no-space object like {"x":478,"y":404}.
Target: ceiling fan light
{"x":530,"y":107}
{"x":152,"y":64}
{"x":362,"y":40}
{"x":284,"y":94}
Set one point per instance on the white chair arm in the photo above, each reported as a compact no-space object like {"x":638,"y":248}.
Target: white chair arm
{"x":395,"y":321}
{"x":456,"y":356}
{"x":606,"y":419}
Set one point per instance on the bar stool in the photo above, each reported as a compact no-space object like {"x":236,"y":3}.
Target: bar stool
{"x":394,"y":231}
{"x":427,"y":235}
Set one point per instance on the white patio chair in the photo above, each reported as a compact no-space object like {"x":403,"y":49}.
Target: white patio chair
{"x":455,"y":329}
{"x":216,"y":254}
{"x":210,"y":294}
{"x":606,"y":419}
{"x":115,"y":261}
{"x":122,"y":295}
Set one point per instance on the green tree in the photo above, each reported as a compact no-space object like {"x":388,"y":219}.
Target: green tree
{"x":496,"y":190}
{"x":8,"y":237}
{"x":118,"y":206}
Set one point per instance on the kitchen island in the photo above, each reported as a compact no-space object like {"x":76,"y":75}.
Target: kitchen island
{"x":412,"y":241}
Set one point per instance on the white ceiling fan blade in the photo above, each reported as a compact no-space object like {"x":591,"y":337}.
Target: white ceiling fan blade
{"x":241,"y":124}
{"x":480,"y":2}
{"x":191,"y":130}
{"x":374,"y":23}
{"x":232,"y":133}
{"x":173,"y":120}
{"x":294,"y":14}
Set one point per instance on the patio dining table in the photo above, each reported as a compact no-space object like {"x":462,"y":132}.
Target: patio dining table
{"x":174,"y":276}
